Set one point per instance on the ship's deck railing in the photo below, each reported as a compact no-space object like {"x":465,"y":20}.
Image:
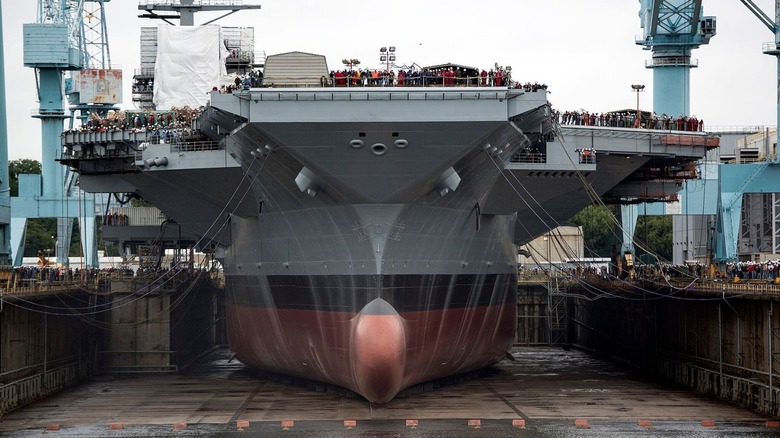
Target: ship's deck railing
{"x":688,"y":284}
{"x":109,"y":136}
{"x":181,"y":146}
{"x":176,"y":137}
{"x":152,"y":3}
{"x":659,"y":136}
{"x":738,"y":129}
{"x":144,"y":72}
{"x":196,"y":146}
{"x":96,"y":283}
{"x":36,"y":288}
{"x":276,"y":95}
{"x":585,"y":156}
{"x":612,"y":132}
{"x":395,"y":81}
{"x":415,"y":81}
{"x":521,"y":157}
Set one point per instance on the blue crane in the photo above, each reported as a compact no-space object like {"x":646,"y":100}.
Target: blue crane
{"x":53,"y":45}
{"x":771,"y":48}
{"x":736,"y":180}
{"x":672,"y":29}
{"x":5,"y":199}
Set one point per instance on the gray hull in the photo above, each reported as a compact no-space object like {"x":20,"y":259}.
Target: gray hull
{"x":340,"y":293}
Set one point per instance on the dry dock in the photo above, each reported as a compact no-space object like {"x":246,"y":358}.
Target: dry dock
{"x":551,"y":391}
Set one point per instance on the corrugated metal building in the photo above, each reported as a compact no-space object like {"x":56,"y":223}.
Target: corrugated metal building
{"x":296,"y":69}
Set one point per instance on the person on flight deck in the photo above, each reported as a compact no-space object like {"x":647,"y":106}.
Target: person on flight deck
{"x":491,"y":78}
{"x":483,"y":76}
{"x":527,"y":153}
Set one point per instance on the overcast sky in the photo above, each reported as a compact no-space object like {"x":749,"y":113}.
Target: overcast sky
{"x":584,"y":51}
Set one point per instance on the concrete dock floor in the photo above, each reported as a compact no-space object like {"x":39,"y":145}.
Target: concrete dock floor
{"x":552,"y":391}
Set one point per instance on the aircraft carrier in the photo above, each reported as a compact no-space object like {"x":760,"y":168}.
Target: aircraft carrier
{"x":368,"y":235}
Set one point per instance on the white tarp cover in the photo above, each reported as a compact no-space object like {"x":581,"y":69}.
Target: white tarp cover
{"x":190,"y":61}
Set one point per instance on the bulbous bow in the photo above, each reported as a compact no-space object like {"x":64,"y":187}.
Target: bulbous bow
{"x":379,"y":352}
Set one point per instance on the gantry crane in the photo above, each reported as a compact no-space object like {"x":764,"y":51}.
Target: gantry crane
{"x":736,"y":180}
{"x":672,"y":29}
{"x":5,"y":199}
{"x":53,"y":45}
{"x":97,"y":61}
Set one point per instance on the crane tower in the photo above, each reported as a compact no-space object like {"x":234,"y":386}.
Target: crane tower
{"x":53,"y":45}
{"x":5,"y":200}
{"x":672,"y":29}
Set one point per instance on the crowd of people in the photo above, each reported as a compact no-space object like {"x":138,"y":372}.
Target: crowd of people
{"x":628,"y":119}
{"x":252,"y":79}
{"x":655,"y":272}
{"x":172,"y":126}
{"x":171,"y":120}
{"x":349,"y":77}
{"x":766,"y":270}
{"x":451,"y":76}
{"x":26,"y":275}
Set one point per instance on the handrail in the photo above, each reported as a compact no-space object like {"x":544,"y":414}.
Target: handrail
{"x":627,"y":132}
{"x":42,"y":289}
{"x":704,"y":285}
{"x":196,"y":146}
{"x":363,"y":94}
{"x":90,"y":285}
{"x":152,"y":3}
{"x":738,"y":129}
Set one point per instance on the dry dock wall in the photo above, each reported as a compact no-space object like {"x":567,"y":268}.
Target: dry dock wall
{"x":44,"y":347}
{"x":159,"y":323}
{"x":542,"y":318}
{"x":717,"y":343}
{"x":129,"y":325}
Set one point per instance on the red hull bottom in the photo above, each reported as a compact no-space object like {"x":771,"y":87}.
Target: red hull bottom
{"x":377,"y":352}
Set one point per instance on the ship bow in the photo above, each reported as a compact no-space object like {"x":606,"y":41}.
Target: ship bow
{"x":379,"y":351}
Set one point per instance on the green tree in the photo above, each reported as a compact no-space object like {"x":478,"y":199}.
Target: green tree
{"x":41,"y":236}
{"x":600,"y":231}
{"x":17,"y":167}
{"x":75,"y":240}
{"x":655,"y":234}
{"x":138,"y":202}
{"x":602,"y":234}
